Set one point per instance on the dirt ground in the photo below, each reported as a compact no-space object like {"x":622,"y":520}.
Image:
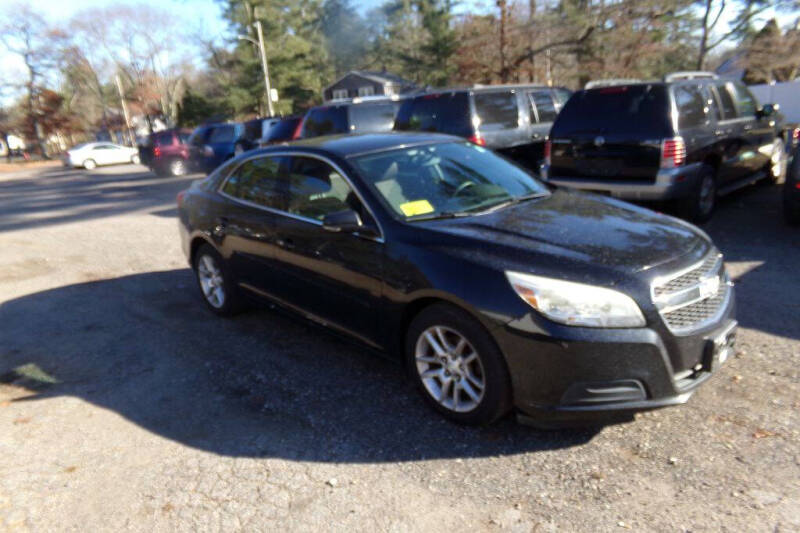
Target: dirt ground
{"x":126,"y":405}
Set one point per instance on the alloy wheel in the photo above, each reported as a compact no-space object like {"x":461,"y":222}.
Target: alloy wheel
{"x":211,"y":281}
{"x":450,"y":369}
{"x":177,"y":167}
{"x":777,"y":161}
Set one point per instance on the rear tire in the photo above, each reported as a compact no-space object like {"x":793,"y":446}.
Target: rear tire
{"x":460,"y":372}
{"x":89,"y":164}
{"x":217,"y":286}
{"x":699,"y":206}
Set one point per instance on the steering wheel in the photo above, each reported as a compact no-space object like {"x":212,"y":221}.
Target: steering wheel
{"x":463,"y":187}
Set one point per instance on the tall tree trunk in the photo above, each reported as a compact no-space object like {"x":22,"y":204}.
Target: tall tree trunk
{"x":701,"y":53}
{"x":504,"y":71}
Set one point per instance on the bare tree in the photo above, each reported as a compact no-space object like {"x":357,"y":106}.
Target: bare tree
{"x":27,"y":34}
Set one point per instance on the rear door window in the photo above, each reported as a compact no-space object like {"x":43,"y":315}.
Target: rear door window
{"x":726,"y":101}
{"x":691,"y":106}
{"x":442,"y":113}
{"x":258,"y":181}
{"x":624,"y":109}
{"x":325,"y":121}
{"x":222,"y":134}
{"x":373,"y":117}
{"x":497,"y":110}
{"x":542,"y":106}
{"x":745,"y":101}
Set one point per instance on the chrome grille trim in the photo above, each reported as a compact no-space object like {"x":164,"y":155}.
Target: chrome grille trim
{"x":693,"y":297}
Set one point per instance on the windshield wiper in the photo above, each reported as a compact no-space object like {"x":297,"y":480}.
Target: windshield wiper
{"x":512,"y":201}
{"x":442,"y":214}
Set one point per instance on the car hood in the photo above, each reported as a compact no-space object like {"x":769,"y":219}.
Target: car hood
{"x":569,"y":227}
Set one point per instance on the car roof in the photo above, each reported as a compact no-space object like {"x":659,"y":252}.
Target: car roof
{"x":349,"y":145}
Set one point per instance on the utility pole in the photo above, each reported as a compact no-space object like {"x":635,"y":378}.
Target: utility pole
{"x":265,"y":67}
{"x":131,"y":136}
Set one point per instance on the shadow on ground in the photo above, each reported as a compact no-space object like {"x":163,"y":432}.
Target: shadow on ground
{"x":261,"y":384}
{"x":56,"y":196}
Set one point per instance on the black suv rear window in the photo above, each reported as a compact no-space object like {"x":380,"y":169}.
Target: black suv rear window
{"x":497,"y":110}
{"x":631,"y":109}
{"x":442,"y":113}
{"x":325,"y":121}
{"x":373,"y":117}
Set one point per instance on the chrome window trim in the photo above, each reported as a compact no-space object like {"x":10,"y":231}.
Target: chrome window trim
{"x":379,"y":238}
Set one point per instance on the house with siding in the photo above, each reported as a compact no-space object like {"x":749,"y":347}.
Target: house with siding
{"x":366,"y":83}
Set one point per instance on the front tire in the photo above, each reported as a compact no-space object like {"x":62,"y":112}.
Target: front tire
{"x":457,"y":366}
{"x":776,"y":168}
{"x":217,"y":287}
{"x":700,"y":204}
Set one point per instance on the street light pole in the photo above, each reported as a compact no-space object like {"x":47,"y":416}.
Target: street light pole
{"x":264,"y":65}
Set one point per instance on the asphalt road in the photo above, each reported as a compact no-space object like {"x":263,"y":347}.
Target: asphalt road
{"x":125,"y":405}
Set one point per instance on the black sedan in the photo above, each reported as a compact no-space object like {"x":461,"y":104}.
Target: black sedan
{"x":496,"y":291}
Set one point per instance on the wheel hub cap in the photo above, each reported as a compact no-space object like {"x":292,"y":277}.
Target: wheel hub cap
{"x":450,"y":369}
{"x":211,"y":281}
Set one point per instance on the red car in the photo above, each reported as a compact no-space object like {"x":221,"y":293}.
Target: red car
{"x":167,"y":152}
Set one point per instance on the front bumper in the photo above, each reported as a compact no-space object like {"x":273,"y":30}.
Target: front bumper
{"x":669,"y":184}
{"x":569,"y":374}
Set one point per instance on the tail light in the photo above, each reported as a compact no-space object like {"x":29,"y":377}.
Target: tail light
{"x":477,"y":139}
{"x":795,"y":135}
{"x":548,"y":150}
{"x":298,"y":130}
{"x":157,"y":152}
{"x":179,"y":198}
{"x":673,"y":153}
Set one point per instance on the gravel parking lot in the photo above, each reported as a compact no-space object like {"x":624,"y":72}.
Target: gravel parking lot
{"x":126,"y":405}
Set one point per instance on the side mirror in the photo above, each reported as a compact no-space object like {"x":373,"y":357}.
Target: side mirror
{"x":346,"y":220}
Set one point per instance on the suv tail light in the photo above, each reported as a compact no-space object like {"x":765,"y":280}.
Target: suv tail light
{"x":156,"y":152}
{"x":673,"y":153}
{"x":548,"y":149}
{"x":477,"y":139}
{"x":298,"y":129}
{"x":179,"y":198}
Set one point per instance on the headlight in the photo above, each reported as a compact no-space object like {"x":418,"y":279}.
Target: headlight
{"x":576,"y":304}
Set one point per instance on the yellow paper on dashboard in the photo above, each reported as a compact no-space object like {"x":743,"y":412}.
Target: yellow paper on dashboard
{"x":417,"y":207}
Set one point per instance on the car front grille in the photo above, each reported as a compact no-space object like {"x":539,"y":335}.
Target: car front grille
{"x":691,"y":299}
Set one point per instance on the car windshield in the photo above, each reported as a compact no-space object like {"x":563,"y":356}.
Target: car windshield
{"x":446,"y":179}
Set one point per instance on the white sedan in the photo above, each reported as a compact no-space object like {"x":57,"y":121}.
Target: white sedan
{"x":91,"y":155}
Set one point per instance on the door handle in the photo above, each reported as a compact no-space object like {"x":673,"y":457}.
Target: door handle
{"x":536,"y":136}
{"x":287,"y":243}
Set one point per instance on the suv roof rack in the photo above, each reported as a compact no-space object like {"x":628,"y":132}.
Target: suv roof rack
{"x":690,"y":75}
{"x":611,"y":81}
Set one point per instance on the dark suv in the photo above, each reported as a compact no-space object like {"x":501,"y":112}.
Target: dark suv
{"x":212,"y":144}
{"x":688,"y":138}
{"x":166,"y":152}
{"x":359,"y":115}
{"x":512,"y":119}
